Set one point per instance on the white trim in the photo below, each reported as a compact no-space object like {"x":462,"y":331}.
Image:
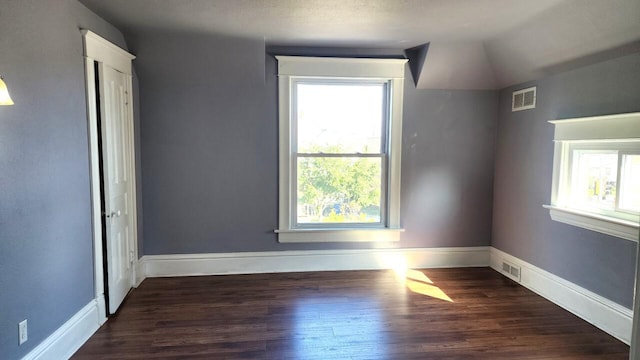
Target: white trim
{"x":133,"y":185}
{"x":284,"y":158}
{"x":340,"y":67}
{"x":605,"y":314}
{"x":139,"y":272}
{"x":313,"y":260}
{"x":339,"y":235}
{"x":102,"y":50}
{"x":94,"y":164}
{"x":395,"y":153}
{"x":608,"y":127}
{"x":69,"y":337}
{"x":101,"y":304}
{"x":606,"y":225}
{"x":634,"y":351}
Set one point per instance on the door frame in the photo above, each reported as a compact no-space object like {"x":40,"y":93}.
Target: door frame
{"x":97,"y":49}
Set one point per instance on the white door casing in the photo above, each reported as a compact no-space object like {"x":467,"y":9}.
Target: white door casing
{"x":99,"y":51}
{"x":116,"y":148}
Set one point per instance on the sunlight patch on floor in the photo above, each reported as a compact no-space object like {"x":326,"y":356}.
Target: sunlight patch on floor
{"x":419,"y":283}
{"x":416,"y":280}
{"x":427,"y":290}
{"x":417,"y":276}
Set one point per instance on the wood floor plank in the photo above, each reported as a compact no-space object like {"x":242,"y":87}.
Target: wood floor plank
{"x":471,"y":313}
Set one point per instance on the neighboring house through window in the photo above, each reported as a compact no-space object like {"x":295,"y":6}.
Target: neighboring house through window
{"x":340,"y":148}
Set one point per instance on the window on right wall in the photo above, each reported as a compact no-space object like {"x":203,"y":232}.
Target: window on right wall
{"x":596,"y":174}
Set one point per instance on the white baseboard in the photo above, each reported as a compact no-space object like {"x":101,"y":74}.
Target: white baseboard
{"x":605,"y":314}
{"x":139,"y":272}
{"x":102,"y":309}
{"x":314,"y":260}
{"x":65,"y":341}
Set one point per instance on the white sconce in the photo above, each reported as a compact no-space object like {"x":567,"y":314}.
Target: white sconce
{"x":5,"y":98}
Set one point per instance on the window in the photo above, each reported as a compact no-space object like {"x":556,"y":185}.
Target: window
{"x":340,"y":152}
{"x":340,"y":137}
{"x":596,"y":181}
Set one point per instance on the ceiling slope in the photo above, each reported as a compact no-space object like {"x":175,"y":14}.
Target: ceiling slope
{"x":571,"y":31}
{"x":457,"y":65}
{"x":473,"y":44}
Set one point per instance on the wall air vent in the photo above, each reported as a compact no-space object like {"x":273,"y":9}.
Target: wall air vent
{"x":523,"y":99}
{"x":511,"y":271}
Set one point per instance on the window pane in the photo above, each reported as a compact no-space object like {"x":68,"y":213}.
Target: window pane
{"x":630,"y":183}
{"x":339,"y":190}
{"x":340,"y":118}
{"x":594,"y":179}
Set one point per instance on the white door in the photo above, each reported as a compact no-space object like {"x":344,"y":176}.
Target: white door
{"x":116,"y":131}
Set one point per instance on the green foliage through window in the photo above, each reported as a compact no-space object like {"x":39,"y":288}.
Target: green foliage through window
{"x":339,"y":189}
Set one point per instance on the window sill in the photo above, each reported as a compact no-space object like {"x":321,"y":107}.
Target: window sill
{"x":607,"y":225}
{"x":338,"y":235}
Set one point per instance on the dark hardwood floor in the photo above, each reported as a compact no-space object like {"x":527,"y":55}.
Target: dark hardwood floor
{"x":471,"y":313}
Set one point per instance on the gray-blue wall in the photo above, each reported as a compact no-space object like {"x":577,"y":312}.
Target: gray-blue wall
{"x":523,"y":170}
{"x":46,"y":247}
{"x":210,"y":146}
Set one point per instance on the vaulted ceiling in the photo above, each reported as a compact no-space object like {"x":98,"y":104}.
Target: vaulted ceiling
{"x":472,"y":44}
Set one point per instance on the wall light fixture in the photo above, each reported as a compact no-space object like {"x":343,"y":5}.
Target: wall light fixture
{"x":5,"y":98}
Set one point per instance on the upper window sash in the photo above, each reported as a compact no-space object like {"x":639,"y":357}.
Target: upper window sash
{"x":385,"y":105}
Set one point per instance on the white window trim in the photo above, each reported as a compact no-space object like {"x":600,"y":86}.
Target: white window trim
{"x":605,"y":129}
{"x":391,"y":70}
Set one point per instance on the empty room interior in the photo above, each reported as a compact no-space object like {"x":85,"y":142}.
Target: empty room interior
{"x":319,"y":179}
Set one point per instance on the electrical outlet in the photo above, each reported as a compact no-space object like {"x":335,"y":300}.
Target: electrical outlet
{"x":22,"y":331}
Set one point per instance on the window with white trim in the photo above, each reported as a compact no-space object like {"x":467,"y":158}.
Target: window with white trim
{"x":340,"y":149}
{"x":596,"y":176}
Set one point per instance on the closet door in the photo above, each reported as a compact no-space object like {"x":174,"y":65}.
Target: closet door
{"x":117,"y":156}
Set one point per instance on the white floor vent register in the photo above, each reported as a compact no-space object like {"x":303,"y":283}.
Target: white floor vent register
{"x":511,"y":271}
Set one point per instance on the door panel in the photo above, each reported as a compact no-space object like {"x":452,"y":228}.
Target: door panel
{"x":117,"y":157}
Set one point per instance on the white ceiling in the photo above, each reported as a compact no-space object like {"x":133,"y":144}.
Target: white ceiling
{"x":475,"y":44}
